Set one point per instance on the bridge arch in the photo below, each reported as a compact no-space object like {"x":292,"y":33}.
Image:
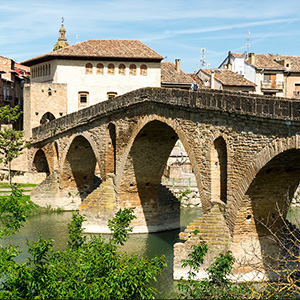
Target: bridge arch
{"x":261,"y":159}
{"x":218,"y":170}
{"x":40,"y":162}
{"x":140,"y":170}
{"x":273,"y":177}
{"x":77,"y":168}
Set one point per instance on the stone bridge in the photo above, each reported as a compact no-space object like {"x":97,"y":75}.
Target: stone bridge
{"x":244,"y":150}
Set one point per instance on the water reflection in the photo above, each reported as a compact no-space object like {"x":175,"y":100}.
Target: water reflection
{"x":54,"y":226}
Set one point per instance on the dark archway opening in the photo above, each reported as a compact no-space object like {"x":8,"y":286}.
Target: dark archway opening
{"x":219,"y":170}
{"x":157,"y":209}
{"x":270,"y":194}
{"x":40,"y":163}
{"x":78,"y":174}
{"x":111,"y":151}
{"x":47,"y":117}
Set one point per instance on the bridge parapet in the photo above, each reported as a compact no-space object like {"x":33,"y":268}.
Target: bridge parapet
{"x":217,"y":100}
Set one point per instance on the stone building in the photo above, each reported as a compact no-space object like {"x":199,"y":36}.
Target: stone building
{"x":86,"y":73}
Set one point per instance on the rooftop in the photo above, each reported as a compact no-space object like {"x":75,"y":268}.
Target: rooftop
{"x":229,"y":78}
{"x":101,"y":49}
{"x":169,"y":74}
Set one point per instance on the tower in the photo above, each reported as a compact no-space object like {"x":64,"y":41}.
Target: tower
{"x":62,"y":40}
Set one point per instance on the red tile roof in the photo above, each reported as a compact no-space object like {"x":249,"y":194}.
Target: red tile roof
{"x":101,"y":49}
{"x":229,"y":78}
{"x":265,"y":61}
{"x":170,"y":75}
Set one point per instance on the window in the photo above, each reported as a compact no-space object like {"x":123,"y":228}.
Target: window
{"x":83,"y":98}
{"x":88,"y":68}
{"x":111,"y":95}
{"x":100,"y":69}
{"x":132,"y":70}
{"x":111,"y":69}
{"x":49,"y":70}
{"x":122,"y":69}
{"x":143,"y":70}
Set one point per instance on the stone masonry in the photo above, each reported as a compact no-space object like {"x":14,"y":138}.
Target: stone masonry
{"x":244,"y":151}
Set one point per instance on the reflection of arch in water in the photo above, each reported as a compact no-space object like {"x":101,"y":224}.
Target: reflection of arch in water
{"x":47,"y":117}
{"x":40,"y":162}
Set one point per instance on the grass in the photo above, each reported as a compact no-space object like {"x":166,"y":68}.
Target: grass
{"x":22,"y":185}
{"x":30,"y":207}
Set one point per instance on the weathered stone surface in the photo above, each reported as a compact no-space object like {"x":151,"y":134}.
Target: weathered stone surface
{"x":244,"y":151}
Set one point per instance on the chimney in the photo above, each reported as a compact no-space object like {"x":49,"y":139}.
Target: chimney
{"x":177,"y":65}
{"x":212,"y":79}
{"x":251,"y":58}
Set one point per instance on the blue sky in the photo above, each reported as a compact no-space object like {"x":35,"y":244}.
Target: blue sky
{"x":173,"y":28}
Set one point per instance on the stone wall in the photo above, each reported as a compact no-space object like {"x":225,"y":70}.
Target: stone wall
{"x":260,"y":147}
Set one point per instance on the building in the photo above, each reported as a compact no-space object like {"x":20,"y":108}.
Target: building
{"x":223,"y":79}
{"x":13,"y":76}
{"x":173,"y":77}
{"x":77,"y":76}
{"x":273,"y":74}
{"x":291,"y":65}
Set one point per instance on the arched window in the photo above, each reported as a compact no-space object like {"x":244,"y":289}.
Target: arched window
{"x":88,"y":68}
{"x":46,"y":70}
{"x":132,"y":69}
{"x":143,"y":70}
{"x":47,"y":117}
{"x":111,"y":69}
{"x":122,"y":69}
{"x":100,"y":69}
{"x":43,"y":70}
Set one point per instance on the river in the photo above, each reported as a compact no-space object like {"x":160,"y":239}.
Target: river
{"x":54,"y":226}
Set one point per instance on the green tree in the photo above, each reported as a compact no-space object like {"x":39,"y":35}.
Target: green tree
{"x":9,"y":114}
{"x":11,"y":141}
{"x":217,"y":285}
{"x":89,"y":268}
{"x":11,"y":146}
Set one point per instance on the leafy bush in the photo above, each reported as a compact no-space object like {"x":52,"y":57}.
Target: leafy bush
{"x":217,"y":285}
{"x":89,"y":268}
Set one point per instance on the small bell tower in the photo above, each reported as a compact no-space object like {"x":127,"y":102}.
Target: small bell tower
{"x":62,"y":40}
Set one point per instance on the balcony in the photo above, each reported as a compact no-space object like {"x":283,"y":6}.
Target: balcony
{"x":271,"y":85}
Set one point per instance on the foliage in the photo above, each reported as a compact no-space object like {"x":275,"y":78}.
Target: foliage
{"x":11,"y":146}
{"x":89,"y":268}
{"x":217,"y":285}
{"x":119,"y":225}
{"x":9,"y":114}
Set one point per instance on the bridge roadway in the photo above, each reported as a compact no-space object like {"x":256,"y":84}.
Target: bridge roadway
{"x":244,"y":150}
